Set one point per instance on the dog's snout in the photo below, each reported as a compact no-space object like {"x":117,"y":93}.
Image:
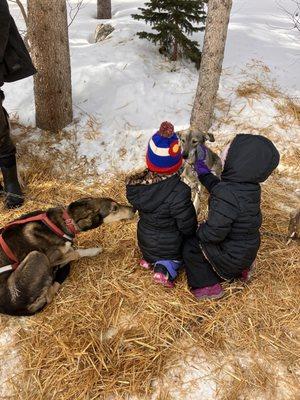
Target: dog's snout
{"x":185,"y":155}
{"x":131,"y":212}
{"x":123,"y":213}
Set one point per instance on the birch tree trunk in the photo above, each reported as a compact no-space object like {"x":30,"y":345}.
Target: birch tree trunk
{"x":48,"y":34}
{"x":217,"y":20}
{"x":103,"y":9}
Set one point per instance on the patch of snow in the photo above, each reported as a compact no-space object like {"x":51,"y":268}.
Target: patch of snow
{"x":129,"y":88}
{"x":12,"y":364}
{"x":206,"y":375}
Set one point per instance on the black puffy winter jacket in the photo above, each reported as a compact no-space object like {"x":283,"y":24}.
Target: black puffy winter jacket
{"x":15,"y":62}
{"x":166,"y":215}
{"x":230,"y":237}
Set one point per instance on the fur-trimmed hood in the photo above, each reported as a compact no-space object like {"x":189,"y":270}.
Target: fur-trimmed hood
{"x":146,"y":177}
{"x":146,"y":190}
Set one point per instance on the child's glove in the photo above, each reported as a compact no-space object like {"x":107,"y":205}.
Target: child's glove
{"x":201,"y":168}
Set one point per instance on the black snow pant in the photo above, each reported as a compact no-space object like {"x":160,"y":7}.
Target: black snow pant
{"x":7,"y":148}
{"x":199,"y":271}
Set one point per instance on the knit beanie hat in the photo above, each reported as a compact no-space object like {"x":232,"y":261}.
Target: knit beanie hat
{"x":164,"y":152}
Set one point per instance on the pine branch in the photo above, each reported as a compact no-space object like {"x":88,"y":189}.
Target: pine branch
{"x":173,"y":21}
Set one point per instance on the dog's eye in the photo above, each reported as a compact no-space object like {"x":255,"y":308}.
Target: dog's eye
{"x":114,"y":208}
{"x":194,"y":141}
{"x":182,"y":140}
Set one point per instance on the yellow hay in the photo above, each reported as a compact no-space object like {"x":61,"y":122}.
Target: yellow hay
{"x":112,"y":333}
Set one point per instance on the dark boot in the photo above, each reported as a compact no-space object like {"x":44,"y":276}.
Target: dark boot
{"x":14,"y":197}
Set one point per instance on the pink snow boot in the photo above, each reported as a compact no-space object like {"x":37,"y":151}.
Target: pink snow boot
{"x":166,"y":271}
{"x":145,"y":264}
{"x":247,"y":273}
{"x":162,"y":279}
{"x":208,"y":292}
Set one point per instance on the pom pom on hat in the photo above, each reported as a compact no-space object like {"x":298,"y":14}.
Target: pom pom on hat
{"x":166,"y":129}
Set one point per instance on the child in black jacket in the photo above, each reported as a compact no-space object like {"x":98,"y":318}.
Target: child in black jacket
{"x":227,"y":243}
{"x":166,"y":212}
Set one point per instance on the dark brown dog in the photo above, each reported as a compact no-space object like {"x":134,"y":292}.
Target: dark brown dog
{"x":32,"y":284}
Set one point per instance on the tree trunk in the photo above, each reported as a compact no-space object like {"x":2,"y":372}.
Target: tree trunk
{"x":103,"y":9}
{"x":211,"y":63}
{"x":175,"y":51}
{"x":48,"y":34}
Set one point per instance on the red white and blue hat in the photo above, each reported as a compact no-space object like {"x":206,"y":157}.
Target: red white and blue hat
{"x":164,"y":151}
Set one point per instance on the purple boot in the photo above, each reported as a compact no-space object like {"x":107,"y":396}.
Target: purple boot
{"x":208,"y":292}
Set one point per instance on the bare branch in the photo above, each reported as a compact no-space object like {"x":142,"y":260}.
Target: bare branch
{"x":74,"y":10}
{"x":294,"y":16}
{"x":22,"y":9}
{"x":25,"y":17}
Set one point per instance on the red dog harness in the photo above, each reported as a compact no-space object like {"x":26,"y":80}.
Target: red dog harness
{"x":42,"y":218}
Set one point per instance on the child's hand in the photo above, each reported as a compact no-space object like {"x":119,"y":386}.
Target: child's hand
{"x":201,"y":168}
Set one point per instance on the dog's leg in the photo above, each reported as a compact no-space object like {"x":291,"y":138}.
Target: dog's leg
{"x":217,"y":168}
{"x":52,"y":291}
{"x":60,"y":275}
{"x":214,"y":162}
{"x":28,"y":285}
{"x":197,"y":202}
{"x":60,"y":259}
{"x":92,"y":252}
{"x":73,"y":255}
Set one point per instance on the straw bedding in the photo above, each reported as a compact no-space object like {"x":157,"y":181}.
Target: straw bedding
{"x":112,"y":333}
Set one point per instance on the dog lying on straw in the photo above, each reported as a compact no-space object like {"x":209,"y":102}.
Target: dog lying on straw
{"x":34,"y":248}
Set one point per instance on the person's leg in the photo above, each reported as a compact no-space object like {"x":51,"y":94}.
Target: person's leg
{"x":7,"y":148}
{"x":202,"y":279}
{"x":199,"y":271}
{"x":8,"y":161}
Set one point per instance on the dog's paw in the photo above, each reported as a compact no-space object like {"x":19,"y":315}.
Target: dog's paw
{"x":52,"y":291}
{"x":94,"y":251}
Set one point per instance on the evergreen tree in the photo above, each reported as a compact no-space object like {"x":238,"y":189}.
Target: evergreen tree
{"x":174,"y":21}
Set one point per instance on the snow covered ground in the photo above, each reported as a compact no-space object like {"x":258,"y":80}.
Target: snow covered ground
{"x":123,"y":88}
{"x":127,"y":88}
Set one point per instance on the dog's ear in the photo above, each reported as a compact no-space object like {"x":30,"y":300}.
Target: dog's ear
{"x":86,"y":222}
{"x":209,"y":136}
{"x":82,"y":213}
{"x":180,"y":134}
{"x":113,"y":207}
